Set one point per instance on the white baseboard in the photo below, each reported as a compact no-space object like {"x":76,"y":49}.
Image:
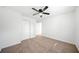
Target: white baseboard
{"x":14,"y":43}
{"x":58,"y":39}
{"x":77,"y":48}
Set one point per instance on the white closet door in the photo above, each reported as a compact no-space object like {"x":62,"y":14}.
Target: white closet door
{"x":26,"y":29}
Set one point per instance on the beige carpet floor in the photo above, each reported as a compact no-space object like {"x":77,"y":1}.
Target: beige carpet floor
{"x":41,"y":44}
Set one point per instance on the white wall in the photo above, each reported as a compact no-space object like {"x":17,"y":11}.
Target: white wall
{"x":60,"y":27}
{"x":77,"y":27}
{"x":13,"y":28}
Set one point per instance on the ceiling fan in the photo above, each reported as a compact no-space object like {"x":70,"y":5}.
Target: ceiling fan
{"x":41,"y":11}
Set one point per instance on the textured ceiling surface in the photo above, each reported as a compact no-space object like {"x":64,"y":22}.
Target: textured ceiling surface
{"x":53,"y":10}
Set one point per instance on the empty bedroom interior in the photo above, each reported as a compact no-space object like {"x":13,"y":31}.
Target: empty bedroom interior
{"x":39,"y":29}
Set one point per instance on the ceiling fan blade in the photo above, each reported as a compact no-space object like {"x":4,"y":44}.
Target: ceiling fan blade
{"x":35,"y":9}
{"x":35,"y":14}
{"x":46,"y":13}
{"x":45,"y":8}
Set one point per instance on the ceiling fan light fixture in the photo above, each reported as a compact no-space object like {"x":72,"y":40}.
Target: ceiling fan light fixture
{"x":41,"y":11}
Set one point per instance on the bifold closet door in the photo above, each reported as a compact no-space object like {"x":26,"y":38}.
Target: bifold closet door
{"x":29,"y":29}
{"x":26,"y":29}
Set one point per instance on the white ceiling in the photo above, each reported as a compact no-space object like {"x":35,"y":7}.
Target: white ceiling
{"x":53,"y":10}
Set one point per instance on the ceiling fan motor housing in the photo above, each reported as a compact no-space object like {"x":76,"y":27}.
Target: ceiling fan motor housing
{"x":40,"y":10}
